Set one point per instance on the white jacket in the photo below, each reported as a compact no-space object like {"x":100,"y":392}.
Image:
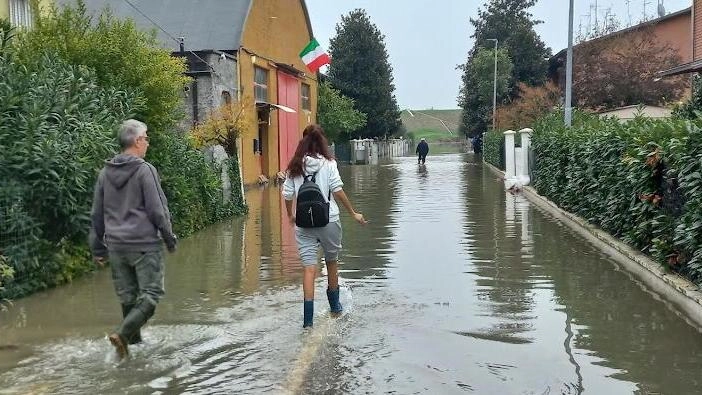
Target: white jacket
{"x":327,"y":178}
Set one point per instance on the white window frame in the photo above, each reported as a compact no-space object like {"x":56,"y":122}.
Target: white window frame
{"x":261,"y":88}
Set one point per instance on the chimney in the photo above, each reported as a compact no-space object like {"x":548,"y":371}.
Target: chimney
{"x":181,"y":43}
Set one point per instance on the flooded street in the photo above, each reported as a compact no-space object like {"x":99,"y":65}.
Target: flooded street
{"x":453,"y":287}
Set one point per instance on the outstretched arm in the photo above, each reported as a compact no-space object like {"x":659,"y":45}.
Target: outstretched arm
{"x":340,"y":195}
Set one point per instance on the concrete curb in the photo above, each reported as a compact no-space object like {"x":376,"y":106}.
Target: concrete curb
{"x":685,"y":295}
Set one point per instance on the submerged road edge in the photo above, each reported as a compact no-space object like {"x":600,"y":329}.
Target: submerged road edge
{"x":681,"y":292}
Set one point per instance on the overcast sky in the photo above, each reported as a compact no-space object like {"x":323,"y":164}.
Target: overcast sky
{"x":426,"y":39}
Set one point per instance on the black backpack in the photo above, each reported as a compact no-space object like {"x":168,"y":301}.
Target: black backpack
{"x":312,"y":209}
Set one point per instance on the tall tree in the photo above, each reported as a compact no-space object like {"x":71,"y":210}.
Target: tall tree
{"x":361,"y":71}
{"x":510,"y":22}
{"x":479,"y":74}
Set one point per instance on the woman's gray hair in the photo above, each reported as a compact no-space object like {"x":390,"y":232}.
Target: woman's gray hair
{"x":129,"y":131}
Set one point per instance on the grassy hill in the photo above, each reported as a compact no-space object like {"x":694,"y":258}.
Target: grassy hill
{"x":424,"y":124}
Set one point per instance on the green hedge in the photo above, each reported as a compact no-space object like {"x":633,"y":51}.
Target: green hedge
{"x":640,"y":181}
{"x":493,"y":149}
{"x":56,"y":130}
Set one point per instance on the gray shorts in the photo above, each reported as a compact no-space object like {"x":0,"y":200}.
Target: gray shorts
{"x":309,"y":240}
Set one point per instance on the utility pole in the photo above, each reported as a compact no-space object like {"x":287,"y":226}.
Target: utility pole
{"x":569,"y":71}
{"x":628,"y":11}
{"x":494,"y":89}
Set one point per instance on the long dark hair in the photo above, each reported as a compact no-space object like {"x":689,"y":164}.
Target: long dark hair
{"x":313,"y":143}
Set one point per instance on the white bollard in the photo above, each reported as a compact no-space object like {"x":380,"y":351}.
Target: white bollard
{"x":510,"y":169}
{"x":518,"y":164}
{"x":526,"y":145}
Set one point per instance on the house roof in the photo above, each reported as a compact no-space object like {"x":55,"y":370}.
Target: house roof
{"x":652,"y":22}
{"x":205,"y":24}
{"x":691,"y":67}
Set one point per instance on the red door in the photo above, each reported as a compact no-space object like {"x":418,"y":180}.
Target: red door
{"x":289,"y":96}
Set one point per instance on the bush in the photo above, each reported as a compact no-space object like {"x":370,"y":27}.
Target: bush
{"x":533,"y":103}
{"x":640,"y":181}
{"x":691,"y":109}
{"x":56,"y":131}
{"x":494,"y":148}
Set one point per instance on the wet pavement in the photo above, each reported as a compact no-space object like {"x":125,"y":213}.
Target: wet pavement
{"x":453,"y":287}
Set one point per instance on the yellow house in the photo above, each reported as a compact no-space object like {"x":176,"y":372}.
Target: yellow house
{"x":243,"y":49}
{"x":19,"y":12}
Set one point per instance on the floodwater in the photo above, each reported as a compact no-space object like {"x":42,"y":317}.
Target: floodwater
{"x":453,"y":287}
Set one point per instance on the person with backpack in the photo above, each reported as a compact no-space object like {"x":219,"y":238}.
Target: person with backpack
{"x":313,"y":180}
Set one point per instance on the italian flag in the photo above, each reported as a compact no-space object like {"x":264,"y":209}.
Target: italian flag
{"x":314,"y":56}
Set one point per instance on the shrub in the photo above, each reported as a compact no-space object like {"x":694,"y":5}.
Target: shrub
{"x":691,"y":108}
{"x":533,"y":103}
{"x":56,"y":131}
{"x":493,"y":149}
{"x":640,"y":181}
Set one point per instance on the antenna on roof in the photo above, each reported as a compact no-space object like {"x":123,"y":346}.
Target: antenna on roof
{"x":661,"y":8}
{"x":628,"y":11}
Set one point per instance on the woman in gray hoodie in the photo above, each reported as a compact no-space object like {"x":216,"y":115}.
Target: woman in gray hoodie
{"x":312,"y":177}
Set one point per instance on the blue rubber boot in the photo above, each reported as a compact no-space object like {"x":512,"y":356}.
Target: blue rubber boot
{"x":308,"y":313}
{"x":334,"y":304}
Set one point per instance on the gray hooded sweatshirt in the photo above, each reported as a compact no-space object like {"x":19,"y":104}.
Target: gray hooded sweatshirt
{"x":130,"y":212}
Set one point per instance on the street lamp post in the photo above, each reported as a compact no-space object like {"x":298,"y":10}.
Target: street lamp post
{"x":569,"y":71}
{"x":494,"y":88}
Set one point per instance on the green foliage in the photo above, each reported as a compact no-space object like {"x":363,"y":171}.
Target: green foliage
{"x":511,"y":23}
{"x":121,"y":56}
{"x":7,"y":32}
{"x":57,"y":129}
{"x":361,"y":71}
{"x":56,"y":133}
{"x":195,"y":199}
{"x":493,"y":149}
{"x":691,"y":109}
{"x":640,"y":181}
{"x":337,"y":115}
{"x":482,"y":69}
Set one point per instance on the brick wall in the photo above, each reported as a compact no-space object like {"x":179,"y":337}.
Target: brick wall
{"x":697,"y":30}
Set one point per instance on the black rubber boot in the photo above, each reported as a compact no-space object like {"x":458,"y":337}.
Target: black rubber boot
{"x":334,"y":304}
{"x":136,"y":318}
{"x":308,"y":313}
{"x":136,"y":337}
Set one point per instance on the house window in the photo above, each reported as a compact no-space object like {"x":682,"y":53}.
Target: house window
{"x":305,"y":94}
{"x":260,"y":84}
{"x":20,"y":13}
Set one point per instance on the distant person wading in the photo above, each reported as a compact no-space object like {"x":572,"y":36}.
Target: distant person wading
{"x":422,"y":151}
{"x":312,"y":177}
